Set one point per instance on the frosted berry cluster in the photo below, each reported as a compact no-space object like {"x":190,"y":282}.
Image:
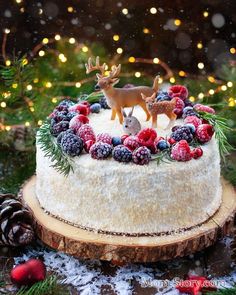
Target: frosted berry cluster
{"x":69,"y":123}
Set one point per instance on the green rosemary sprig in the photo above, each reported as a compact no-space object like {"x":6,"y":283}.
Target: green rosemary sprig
{"x":163,"y":156}
{"x":92,"y":97}
{"x":221,"y":129}
{"x":50,"y":286}
{"x":60,"y":161}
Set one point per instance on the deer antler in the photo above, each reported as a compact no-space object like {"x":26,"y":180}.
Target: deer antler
{"x":114,"y":73}
{"x":90,"y":67}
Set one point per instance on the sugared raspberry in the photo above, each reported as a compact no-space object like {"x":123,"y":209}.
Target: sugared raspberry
{"x":181,"y":151}
{"x":203,"y":108}
{"x":171,"y":141}
{"x":141,"y":155}
{"x":131,"y":142}
{"x":197,"y":153}
{"x":87,"y":145}
{"x":104,"y":137}
{"x":122,"y":154}
{"x":182,"y":133}
{"x":123,"y":137}
{"x":147,"y":137}
{"x":179,"y":103}
{"x":80,"y":108}
{"x":178,"y":91}
{"x":100,"y":150}
{"x":86,"y":133}
{"x":204,"y":133}
{"x":193,"y":120}
{"x":77,"y":121}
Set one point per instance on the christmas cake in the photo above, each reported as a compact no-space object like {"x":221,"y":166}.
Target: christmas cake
{"x":127,"y":176}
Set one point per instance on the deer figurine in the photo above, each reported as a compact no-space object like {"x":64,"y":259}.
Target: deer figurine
{"x":156,"y":108}
{"x":119,"y":98}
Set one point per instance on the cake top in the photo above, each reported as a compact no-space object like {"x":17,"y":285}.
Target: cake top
{"x":126,"y":132}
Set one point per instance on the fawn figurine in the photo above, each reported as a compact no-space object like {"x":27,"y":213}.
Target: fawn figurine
{"x":119,"y":98}
{"x":162,"y":107}
{"x":131,"y":124}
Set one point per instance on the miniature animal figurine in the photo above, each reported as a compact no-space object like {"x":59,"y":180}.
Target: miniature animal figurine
{"x":156,"y":108}
{"x":119,"y":98}
{"x":131,"y":124}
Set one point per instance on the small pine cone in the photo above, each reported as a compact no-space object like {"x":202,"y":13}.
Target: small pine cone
{"x":15,"y":222}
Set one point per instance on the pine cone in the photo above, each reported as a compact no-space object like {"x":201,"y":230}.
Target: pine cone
{"x":15,"y":222}
{"x":233,"y":246}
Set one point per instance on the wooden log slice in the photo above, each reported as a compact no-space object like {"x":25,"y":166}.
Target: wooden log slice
{"x":86,"y":244}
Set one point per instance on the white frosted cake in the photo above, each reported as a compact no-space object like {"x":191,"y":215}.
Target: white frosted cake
{"x":123,"y":198}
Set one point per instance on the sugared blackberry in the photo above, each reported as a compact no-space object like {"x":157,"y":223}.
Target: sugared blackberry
{"x":103,"y":102}
{"x":188,"y":103}
{"x":100,"y":150}
{"x":61,"y":116}
{"x":122,"y":154}
{"x":141,"y":155}
{"x":59,"y":137}
{"x":189,"y":111}
{"x":71,"y":144}
{"x":71,"y":115}
{"x":182,"y":133}
{"x":163,"y":95}
{"x":64,"y":105}
{"x":59,"y":127}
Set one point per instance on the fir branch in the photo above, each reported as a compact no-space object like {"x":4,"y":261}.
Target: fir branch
{"x":49,"y":286}
{"x":61,"y":162}
{"x":225,"y":291}
{"x":163,"y":156}
{"x":92,"y":97}
{"x":221,"y":129}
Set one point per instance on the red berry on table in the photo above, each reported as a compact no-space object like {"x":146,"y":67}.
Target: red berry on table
{"x":37,"y":269}
{"x":131,"y":142}
{"x":178,"y":91}
{"x":141,"y":156}
{"x":20,"y":275}
{"x":86,"y":133}
{"x":204,"y":133}
{"x":197,"y":153}
{"x":193,"y":120}
{"x":104,"y":137}
{"x":181,"y":151}
{"x":204,"y":108}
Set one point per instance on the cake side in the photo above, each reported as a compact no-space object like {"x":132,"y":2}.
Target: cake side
{"x":115,"y":197}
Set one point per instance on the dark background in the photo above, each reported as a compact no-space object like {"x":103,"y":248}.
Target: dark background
{"x":99,"y":20}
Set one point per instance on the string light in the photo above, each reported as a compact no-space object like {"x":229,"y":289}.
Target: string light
{"x":57,"y":37}
{"x":205,"y":13}
{"x":229,"y":84}
{"x":85,"y":49}
{"x":22,"y":9}
{"x":137,"y":74}
{"x":72,"y":40}
{"x":199,"y":45}
{"x":160,"y":80}
{"x":14,"y":85}
{"x":182,"y":73}
{"x":32,"y":109}
{"x":18,"y":1}
{"x":232,"y":50}
{"x":36,"y":80}
{"x":70,"y":9}
{"x":24,"y":61}
{"x":7,"y":31}
{"x":177,"y":22}
{"x":172,"y":80}
{"x":116,"y":37}
{"x":7,"y":128}
{"x":146,"y":30}
{"x":7,"y":62}
{"x":45,"y":41}
{"x":153,"y":10}
{"x":192,"y":98}
{"x":231,"y":102}
{"x":40,"y":122}
{"x":125,"y":11}
{"x":211,"y":79}
{"x":6,"y":94}
{"x":62,"y":57}
{"x":48,"y":84}
{"x":78,"y":85}
{"x":201,"y":95}
{"x":211,"y":91}
{"x":107,"y":73}
{"x":200,"y":65}
{"x":41,"y":53}
{"x":40,"y":11}
{"x":131,"y":59}
{"x":54,"y":100}
{"x":29,"y":87}
{"x":3,"y":104}
{"x":27,"y":124}
{"x":223,"y":87}
{"x":156,"y":60}
{"x":119,"y":50}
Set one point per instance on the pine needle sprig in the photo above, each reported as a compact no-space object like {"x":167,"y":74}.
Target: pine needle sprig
{"x":163,"y":156}
{"x":221,"y":129}
{"x":50,"y":286}
{"x":225,"y":291}
{"x":60,"y":161}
